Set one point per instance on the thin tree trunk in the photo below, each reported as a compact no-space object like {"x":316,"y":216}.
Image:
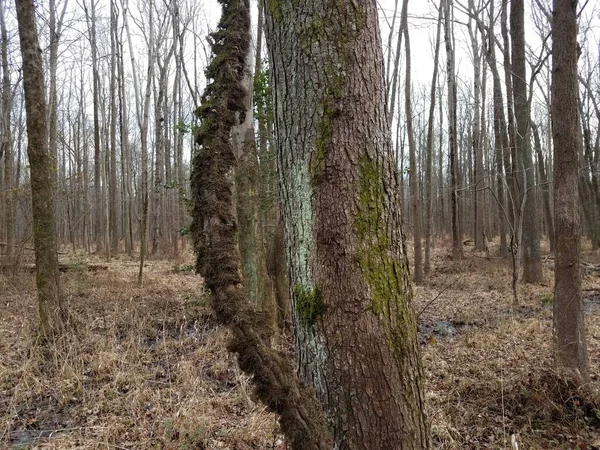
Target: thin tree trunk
{"x":413,"y":175}
{"x":546,"y":187}
{"x":457,"y":250}
{"x":7,"y":142}
{"x":112,"y":195}
{"x":532,"y":256}
{"x":478,"y":178}
{"x":394,"y":83}
{"x":429,"y":163}
{"x":52,"y":311}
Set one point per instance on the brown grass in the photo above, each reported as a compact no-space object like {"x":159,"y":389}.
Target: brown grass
{"x":148,"y":368}
{"x":493,"y":376}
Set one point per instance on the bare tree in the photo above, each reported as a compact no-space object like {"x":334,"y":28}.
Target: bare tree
{"x":531,"y":253}
{"x":457,"y":250}
{"x":430,"y":137}
{"x":413,"y":175}
{"x":52,"y":311}
{"x":7,"y":141}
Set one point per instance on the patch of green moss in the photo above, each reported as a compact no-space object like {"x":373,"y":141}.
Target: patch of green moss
{"x":274,"y":9}
{"x":381,"y":271}
{"x":310,"y":305}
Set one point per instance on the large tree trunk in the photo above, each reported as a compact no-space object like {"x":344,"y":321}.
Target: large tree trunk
{"x":569,"y":325}
{"x":53,"y":316}
{"x":531,"y":253}
{"x":355,"y":332}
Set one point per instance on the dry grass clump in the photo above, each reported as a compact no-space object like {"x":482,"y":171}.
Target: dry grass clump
{"x":493,"y":375}
{"x":146,"y":368}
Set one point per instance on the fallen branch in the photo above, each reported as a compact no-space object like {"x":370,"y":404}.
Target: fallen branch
{"x":437,"y":296}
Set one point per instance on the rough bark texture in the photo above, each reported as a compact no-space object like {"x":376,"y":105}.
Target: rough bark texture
{"x":51,"y":309}
{"x":569,"y":325}
{"x":531,"y":253}
{"x":355,"y":332}
{"x":214,"y":232}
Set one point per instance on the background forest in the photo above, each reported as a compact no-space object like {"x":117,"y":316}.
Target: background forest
{"x":129,"y":91}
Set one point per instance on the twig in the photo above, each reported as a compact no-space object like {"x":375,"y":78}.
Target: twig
{"x":437,"y":296}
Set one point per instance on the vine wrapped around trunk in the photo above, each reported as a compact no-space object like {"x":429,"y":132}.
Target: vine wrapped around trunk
{"x":214,"y":234}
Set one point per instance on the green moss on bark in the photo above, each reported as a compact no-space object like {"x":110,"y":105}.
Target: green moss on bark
{"x":274,"y":9}
{"x":310,"y":305}
{"x":381,"y":271}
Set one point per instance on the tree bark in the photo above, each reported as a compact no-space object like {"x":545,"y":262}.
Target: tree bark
{"x":569,"y":324}
{"x":457,"y":250}
{"x":7,"y":141}
{"x":258,"y":284}
{"x":415,"y":198}
{"x":52,"y":311}
{"x":355,"y":332}
{"x":531,"y":253}
{"x":546,"y":187}
{"x":214,"y":232}
{"x":430,"y":136}
{"x":112,"y":190}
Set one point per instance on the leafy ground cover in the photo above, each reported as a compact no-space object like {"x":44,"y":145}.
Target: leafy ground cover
{"x":148,"y":368}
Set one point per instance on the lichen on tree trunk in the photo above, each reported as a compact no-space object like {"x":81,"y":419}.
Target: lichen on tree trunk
{"x":355,"y":332}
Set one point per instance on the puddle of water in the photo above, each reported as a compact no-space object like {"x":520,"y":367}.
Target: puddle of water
{"x":24,"y":439}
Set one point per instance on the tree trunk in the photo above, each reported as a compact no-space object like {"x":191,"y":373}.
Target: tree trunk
{"x":415,"y":198}
{"x":112,"y":190}
{"x":259,"y":287}
{"x":53,"y":314}
{"x":457,"y":250}
{"x":477,"y":181}
{"x":532,"y":256}
{"x":546,"y":187}
{"x":355,"y":332}
{"x":511,"y":168}
{"x":392,"y":86}
{"x":569,"y":325}
{"x":430,"y":136}
{"x":7,"y":141}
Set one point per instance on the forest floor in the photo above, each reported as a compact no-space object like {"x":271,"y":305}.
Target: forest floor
{"x":148,"y":368}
